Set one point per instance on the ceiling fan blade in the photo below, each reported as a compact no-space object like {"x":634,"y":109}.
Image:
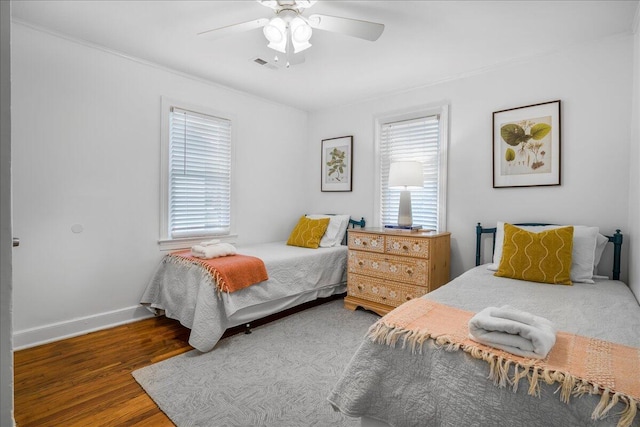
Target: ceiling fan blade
{"x":233,"y":29}
{"x":351,"y":27}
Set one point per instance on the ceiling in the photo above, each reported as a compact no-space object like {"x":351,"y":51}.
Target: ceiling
{"x":424,"y":42}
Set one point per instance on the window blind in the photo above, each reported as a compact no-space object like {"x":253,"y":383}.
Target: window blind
{"x":416,"y":139}
{"x":199,"y":174}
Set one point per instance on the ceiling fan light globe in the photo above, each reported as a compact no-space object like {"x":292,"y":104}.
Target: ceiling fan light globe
{"x":272,"y":34}
{"x":299,"y":47}
{"x":280,"y":47}
{"x":275,"y":30}
{"x":300,"y":31}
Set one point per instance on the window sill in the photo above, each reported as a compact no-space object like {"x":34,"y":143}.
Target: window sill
{"x":186,"y":243}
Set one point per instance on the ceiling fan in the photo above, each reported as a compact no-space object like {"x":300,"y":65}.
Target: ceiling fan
{"x":289,"y":32}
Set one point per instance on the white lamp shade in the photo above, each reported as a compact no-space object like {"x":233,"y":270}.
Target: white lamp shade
{"x":406,"y":175}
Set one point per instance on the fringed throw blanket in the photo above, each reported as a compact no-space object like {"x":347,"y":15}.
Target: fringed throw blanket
{"x":230,"y":273}
{"x":580,"y":365}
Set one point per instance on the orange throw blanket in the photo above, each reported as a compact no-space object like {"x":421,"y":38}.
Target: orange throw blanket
{"x":230,"y":273}
{"x":580,"y":365}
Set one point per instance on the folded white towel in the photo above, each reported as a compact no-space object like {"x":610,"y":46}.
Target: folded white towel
{"x":210,"y":242}
{"x":213,"y":251}
{"x":513,"y":330}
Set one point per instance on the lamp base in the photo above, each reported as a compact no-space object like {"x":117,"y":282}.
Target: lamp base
{"x":405,"y":218}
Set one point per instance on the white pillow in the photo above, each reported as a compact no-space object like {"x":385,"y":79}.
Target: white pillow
{"x":343,"y":229}
{"x":583,"y":255}
{"x":335,"y":230}
{"x":601,"y":243}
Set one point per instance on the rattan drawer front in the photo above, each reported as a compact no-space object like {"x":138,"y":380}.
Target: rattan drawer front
{"x":366,"y":242}
{"x":407,"y":246}
{"x":406,"y":270}
{"x":382,"y":291}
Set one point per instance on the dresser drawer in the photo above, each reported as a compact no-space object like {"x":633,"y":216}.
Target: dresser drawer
{"x":382,"y":291}
{"x":407,"y":246}
{"x":366,"y":242}
{"x":405,"y":270}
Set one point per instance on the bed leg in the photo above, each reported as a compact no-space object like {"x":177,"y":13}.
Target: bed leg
{"x":247,"y":328}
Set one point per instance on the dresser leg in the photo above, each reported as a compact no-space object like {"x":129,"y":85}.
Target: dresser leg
{"x":349,"y":305}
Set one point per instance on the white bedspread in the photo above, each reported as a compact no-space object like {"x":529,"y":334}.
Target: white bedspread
{"x":187,"y":293}
{"x":440,"y":388}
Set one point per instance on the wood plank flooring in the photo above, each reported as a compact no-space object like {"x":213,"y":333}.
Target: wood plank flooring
{"x":87,"y":381}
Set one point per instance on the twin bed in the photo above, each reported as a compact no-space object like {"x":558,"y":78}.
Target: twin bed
{"x":406,"y":376}
{"x":186,"y":291}
{"x":403,"y":375}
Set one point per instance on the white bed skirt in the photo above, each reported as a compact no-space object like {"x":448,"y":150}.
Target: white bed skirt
{"x":249,"y":314}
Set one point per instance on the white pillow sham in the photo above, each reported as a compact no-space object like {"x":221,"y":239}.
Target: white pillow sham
{"x":336,"y":229}
{"x":583,"y":255}
{"x":601,"y":244}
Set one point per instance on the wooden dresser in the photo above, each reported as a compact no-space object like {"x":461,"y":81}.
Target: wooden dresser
{"x":387,"y":267}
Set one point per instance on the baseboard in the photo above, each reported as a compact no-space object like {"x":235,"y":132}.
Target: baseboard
{"x":58,"y":331}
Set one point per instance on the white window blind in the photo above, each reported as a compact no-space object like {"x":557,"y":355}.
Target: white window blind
{"x":199,"y":174}
{"x":416,"y":139}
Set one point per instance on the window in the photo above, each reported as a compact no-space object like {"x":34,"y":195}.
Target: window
{"x":419,"y":136}
{"x":197,"y":158}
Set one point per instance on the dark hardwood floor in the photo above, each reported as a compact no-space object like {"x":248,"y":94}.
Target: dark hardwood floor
{"x":87,"y":381}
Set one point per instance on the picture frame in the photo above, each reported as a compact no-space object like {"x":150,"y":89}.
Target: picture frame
{"x":337,"y":164}
{"x":527,"y":146}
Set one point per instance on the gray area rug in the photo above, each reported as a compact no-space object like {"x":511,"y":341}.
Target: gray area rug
{"x":280,"y":375}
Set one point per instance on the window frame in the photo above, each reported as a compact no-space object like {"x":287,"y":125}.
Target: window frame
{"x":166,"y":241}
{"x":441,"y":109}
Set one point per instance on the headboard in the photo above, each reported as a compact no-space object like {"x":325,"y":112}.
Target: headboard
{"x":353,"y":223}
{"x":616,"y":239}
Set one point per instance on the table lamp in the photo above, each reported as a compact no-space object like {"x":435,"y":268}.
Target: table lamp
{"x":405,"y":175}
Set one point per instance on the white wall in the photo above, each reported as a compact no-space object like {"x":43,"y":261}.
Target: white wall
{"x":6,"y":314}
{"x":592,"y":81}
{"x":86,"y":150}
{"x":634,"y":161}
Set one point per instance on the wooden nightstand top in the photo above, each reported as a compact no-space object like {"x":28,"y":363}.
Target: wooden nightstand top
{"x":397,"y":232}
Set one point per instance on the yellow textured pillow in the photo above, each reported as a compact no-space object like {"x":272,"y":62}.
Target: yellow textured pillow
{"x":308,"y":232}
{"x":537,"y":257}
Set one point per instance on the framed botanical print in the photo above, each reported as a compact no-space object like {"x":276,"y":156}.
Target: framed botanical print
{"x":526,"y":146}
{"x":337,"y":164}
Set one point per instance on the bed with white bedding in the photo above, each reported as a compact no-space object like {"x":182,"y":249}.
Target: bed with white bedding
{"x":390,"y":385}
{"x":187,"y":292}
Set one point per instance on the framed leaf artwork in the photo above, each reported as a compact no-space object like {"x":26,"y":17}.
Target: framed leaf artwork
{"x":526,"y":146}
{"x":337,"y":164}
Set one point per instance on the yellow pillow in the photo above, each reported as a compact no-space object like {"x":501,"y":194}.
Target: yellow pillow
{"x":308,"y":232}
{"x":537,"y":257}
